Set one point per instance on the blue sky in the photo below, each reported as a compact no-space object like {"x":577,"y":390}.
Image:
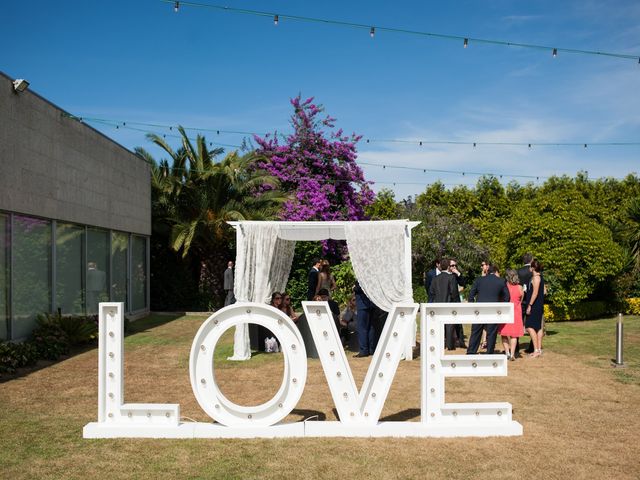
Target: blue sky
{"x":141,"y":61}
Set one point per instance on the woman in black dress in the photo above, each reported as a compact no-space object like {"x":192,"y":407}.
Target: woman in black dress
{"x":535,"y":308}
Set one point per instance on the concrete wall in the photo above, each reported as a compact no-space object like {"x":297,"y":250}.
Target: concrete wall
{"x":56,"y":167}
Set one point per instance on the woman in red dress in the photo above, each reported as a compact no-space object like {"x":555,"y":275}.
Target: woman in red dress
{"x":510,"y":332}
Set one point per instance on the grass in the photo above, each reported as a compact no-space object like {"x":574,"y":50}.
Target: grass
{"x":579,"y":415}
{"x":594,"y":341}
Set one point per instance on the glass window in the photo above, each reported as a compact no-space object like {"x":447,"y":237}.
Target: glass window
{"x":4,"y":278}
{"x":69,"y":268}
{"x":138,"y":273}
{"x":97,"y":268}
{"x":31,"y":252}
{"x":119,"y":252}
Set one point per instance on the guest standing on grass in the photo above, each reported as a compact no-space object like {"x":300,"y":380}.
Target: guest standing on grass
{"x":431,"y":274}
{"x":486,"y":289}
{"x":535,"y":308}
{"x":444,"y":289}
{"x":312,"y":285}
{"x":366,"y":328}
{"x":228,"y":285}
{"x":524,"y":274}
{"x":510,"y":332}
{"x":325,"y":278}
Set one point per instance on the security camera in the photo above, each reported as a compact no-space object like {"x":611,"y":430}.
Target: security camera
{"x":20,"y":85}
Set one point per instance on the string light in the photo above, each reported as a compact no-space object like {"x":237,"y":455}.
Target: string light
{"x":466,"y":42}
{"x":243,"y":11}
{"x":450,"y":172}
{"x":276,"y":18}
{"x":372,"y":32}
{"x":176,"y":7}
{"x":555,"y":52}
{"x":127,"y":123}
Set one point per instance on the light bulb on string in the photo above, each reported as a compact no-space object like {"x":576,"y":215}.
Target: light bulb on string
{"x":555,"y":52}
{"x":372,"y":32}
{"x":276,"y":18}
{"x":466,"y":43}
{"x":176,"y":7}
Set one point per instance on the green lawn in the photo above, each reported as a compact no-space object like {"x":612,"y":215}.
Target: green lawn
{"x":594,"y":342}
{"x":579,"y":415}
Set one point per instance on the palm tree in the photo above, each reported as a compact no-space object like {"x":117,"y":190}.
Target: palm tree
{"x":633,"y":234}
{"x":226,"y":191}
{"x":195,"y":195}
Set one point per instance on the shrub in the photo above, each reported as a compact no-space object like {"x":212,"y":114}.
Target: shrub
{"x":420,"y":294}
{"x":632,"y":306}
{"x":79,"y":330}
{"x":49,"y":339}
{"x":16,"y":355}
{"x":345,"y":281}
{"x":580,"y":311}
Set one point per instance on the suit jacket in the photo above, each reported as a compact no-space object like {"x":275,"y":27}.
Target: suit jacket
{"x":312,"y":283}
{"x":431,"y":274}
{"x":524,"y":274}
{"x":228,"y":279}
{"x":489,"y":289}
{"x":444,"y":288}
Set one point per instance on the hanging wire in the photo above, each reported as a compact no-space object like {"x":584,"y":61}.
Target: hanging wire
{"x":426,"y":170}
{"x":466,"y":39}
{"x":218,"y":131}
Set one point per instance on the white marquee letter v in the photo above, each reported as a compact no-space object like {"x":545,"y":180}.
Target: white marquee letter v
{"x":365,"y":406}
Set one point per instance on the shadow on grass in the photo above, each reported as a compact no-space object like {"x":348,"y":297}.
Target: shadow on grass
{"x":310,"y":415}
{"x":149,"y":322}
{"x":137,"y":326}
{"x":402,"y":416}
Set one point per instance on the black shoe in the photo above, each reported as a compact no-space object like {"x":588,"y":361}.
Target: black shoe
{"x":360,"y":355}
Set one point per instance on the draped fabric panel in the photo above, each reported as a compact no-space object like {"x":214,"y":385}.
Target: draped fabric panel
{"x":377,"y":251}
{"x":263,"y":262}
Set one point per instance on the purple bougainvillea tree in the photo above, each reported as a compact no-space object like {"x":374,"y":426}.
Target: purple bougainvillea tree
{"x":318,"y":166}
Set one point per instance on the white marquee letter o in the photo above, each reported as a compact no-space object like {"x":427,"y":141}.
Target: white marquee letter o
{"x":201,"y":366}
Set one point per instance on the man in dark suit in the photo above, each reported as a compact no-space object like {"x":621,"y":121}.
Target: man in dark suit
{"x":431,"y":274}
{"x":367,"y":340}
{"x":524,"y":275}
{"x":462,"y":282}
{"x":444,"y":289}
{"x":313,"y":279}
{"x":489,"y":288}
{"x":228,"y":285}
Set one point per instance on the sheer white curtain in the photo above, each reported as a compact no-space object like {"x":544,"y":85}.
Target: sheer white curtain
{"x":263,"y":262}
{"x":377,"y":251}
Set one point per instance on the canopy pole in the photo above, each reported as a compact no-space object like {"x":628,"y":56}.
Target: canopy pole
{"x":411,"y":340}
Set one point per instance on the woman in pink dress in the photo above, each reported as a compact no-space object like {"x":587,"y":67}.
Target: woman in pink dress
{"x":510,"y":332}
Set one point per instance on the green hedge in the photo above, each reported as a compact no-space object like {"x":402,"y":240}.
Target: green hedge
{"x":53,"y":337}
{"x":16,"y":355}
{"x":580,"y":311}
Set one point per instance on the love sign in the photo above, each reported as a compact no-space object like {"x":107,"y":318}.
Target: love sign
{"x":358,"y":409}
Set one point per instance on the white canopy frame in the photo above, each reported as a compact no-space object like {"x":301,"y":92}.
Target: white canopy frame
{"x":265,"y":253}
